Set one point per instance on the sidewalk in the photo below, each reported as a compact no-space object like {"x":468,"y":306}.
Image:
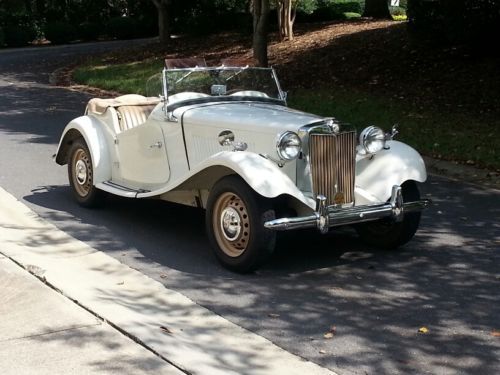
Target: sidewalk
{"x":43,"y":332}
{"x":59,"y":333}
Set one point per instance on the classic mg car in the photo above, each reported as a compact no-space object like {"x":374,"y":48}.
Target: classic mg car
{"x":222,"y":138}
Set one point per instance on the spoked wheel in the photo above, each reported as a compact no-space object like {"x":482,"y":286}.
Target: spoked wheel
{"x":235,"y":220}
{"x":81,"y":173}
{"x":388,"y":234}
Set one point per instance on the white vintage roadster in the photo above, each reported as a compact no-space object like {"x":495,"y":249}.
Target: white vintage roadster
{"x":222,"y":138}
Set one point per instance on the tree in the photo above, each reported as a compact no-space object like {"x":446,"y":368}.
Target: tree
{"x":260,"y":12}
{"x":286,"y":11}
{"x":163,"y":7}
{"x":377,"y":9}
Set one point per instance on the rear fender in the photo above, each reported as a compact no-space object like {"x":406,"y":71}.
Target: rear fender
{"x":91,"y":130}
{"x":375,"y":176}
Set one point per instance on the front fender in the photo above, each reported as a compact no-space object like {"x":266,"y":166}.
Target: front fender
{"x":375,"y":176}
{"x":263,"y":175}
{"x":92,"y":132}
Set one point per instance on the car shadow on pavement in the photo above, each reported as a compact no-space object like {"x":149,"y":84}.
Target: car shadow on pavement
{"x":431,"y":307}
{"x":171,"y":234}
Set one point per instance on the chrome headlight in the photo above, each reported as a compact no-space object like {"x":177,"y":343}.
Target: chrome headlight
{"x":372,"y":139}
{"x":288,"y":146}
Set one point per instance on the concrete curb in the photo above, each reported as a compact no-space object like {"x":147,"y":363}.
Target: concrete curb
{"x":466,"y":173}
{"x":45,"y":333}
{"x":189,"y":336}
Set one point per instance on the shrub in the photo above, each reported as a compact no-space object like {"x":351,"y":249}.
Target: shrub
{"x":147,"y":26}
{"x":60,"y":32}
{"x":19,"y":36}
{"x":351,"y":15}
{"x":328,"y":10}
{"x":456,"y":21}
{"x":89,"y":31}
{"x":398,"y":11}
{"x":122,"y":28}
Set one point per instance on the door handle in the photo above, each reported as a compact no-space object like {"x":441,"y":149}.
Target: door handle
{"x":156,"y":145}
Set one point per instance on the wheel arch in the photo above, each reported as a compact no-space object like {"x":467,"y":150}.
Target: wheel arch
{"x":375,"y":176}
{"x":261,"y":174}
{"x":91,"y":131}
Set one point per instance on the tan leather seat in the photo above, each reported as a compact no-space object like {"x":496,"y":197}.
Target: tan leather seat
{"x":130,"y":116}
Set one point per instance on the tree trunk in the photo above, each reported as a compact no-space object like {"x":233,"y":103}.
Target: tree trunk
{"x":291,"y":13}
{"x":163,"y":7}
{"x":281,"y":21}
{"x":286,"y":18}
{"x":260,"y":12}
{"x":377,"y":9}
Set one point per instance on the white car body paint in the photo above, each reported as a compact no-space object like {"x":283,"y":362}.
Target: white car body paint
{"x":376,"y":175}
{"x":98,"y":139}
{"x":159,"y":170}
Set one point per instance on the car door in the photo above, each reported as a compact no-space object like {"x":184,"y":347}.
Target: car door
{"x":142,"y":155}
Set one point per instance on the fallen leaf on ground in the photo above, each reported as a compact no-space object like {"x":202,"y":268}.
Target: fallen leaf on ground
{"x":495,"y":333}
{"x":120,"y":283}
{"x":331,"y":332}
{"x":163,"y":276}
{"x":322,"y":351}
{"x":166,"y":330}
{"x":423,"y":330}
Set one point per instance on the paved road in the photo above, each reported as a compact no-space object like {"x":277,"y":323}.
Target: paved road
{"x":447,"y":279}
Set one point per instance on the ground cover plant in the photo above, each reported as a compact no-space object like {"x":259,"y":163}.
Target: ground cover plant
{"x":445,"y":99}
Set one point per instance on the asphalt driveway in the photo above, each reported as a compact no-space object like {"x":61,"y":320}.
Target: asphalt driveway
{"x":445,"y":280}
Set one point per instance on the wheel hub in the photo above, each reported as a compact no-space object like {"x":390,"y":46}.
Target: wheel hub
{"x":81,"y":172}
{"x":230,"y":222}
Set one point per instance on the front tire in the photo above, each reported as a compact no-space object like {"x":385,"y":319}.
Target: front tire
{"x":235,"y":220}
{"x":386,"y":233}
{"x":81,"y":175}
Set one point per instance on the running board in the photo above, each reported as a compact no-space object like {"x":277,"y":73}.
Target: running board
{"x":116,"y":189}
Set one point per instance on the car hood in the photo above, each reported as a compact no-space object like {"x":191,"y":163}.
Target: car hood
{"x":246,"y":115}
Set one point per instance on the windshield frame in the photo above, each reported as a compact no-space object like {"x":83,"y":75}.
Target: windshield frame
{"x":280,"y":99}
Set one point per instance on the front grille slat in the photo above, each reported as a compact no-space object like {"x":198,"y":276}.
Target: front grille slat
{"x":332,"y":159}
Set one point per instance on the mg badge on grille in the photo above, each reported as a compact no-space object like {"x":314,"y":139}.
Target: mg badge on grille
{"x":339,"y":198}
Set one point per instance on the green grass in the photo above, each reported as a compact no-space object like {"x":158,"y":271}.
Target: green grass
{"x":128,"y":78}
{"x":449,"y":136}
{"x":399,"y":17}
{"x":351,"y":15}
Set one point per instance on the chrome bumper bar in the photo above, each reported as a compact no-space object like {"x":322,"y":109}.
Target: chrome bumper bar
{"x":331,"y":216}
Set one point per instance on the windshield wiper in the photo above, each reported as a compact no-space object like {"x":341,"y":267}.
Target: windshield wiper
{"x":185,"y":76}
{"x":237,"y":73}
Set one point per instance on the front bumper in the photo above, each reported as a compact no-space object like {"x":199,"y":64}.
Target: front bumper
{"x":332,"y":216}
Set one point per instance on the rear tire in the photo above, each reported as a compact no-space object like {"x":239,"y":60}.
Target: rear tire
{"x":388,"y":234}
{"x":235,"y":220}
{"x":81,"y":175}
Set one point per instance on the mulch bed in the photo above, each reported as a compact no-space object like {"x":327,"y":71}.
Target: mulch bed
{"x":372,"y":56}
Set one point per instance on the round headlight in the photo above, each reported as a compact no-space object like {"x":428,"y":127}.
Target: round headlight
{"x":372,"y":139}
{"x":288,"y":146}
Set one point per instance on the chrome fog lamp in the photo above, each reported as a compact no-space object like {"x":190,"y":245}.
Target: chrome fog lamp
{"x":372,"y":139}
{"x":288,"y":146}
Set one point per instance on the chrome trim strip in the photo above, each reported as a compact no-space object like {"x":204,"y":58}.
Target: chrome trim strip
{"x":331,"y":216}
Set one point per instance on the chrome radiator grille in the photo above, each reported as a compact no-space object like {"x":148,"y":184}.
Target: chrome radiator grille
{"x":332,"y":158}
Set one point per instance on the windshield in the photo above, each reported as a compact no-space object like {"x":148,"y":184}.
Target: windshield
{"x":223,"y":81}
